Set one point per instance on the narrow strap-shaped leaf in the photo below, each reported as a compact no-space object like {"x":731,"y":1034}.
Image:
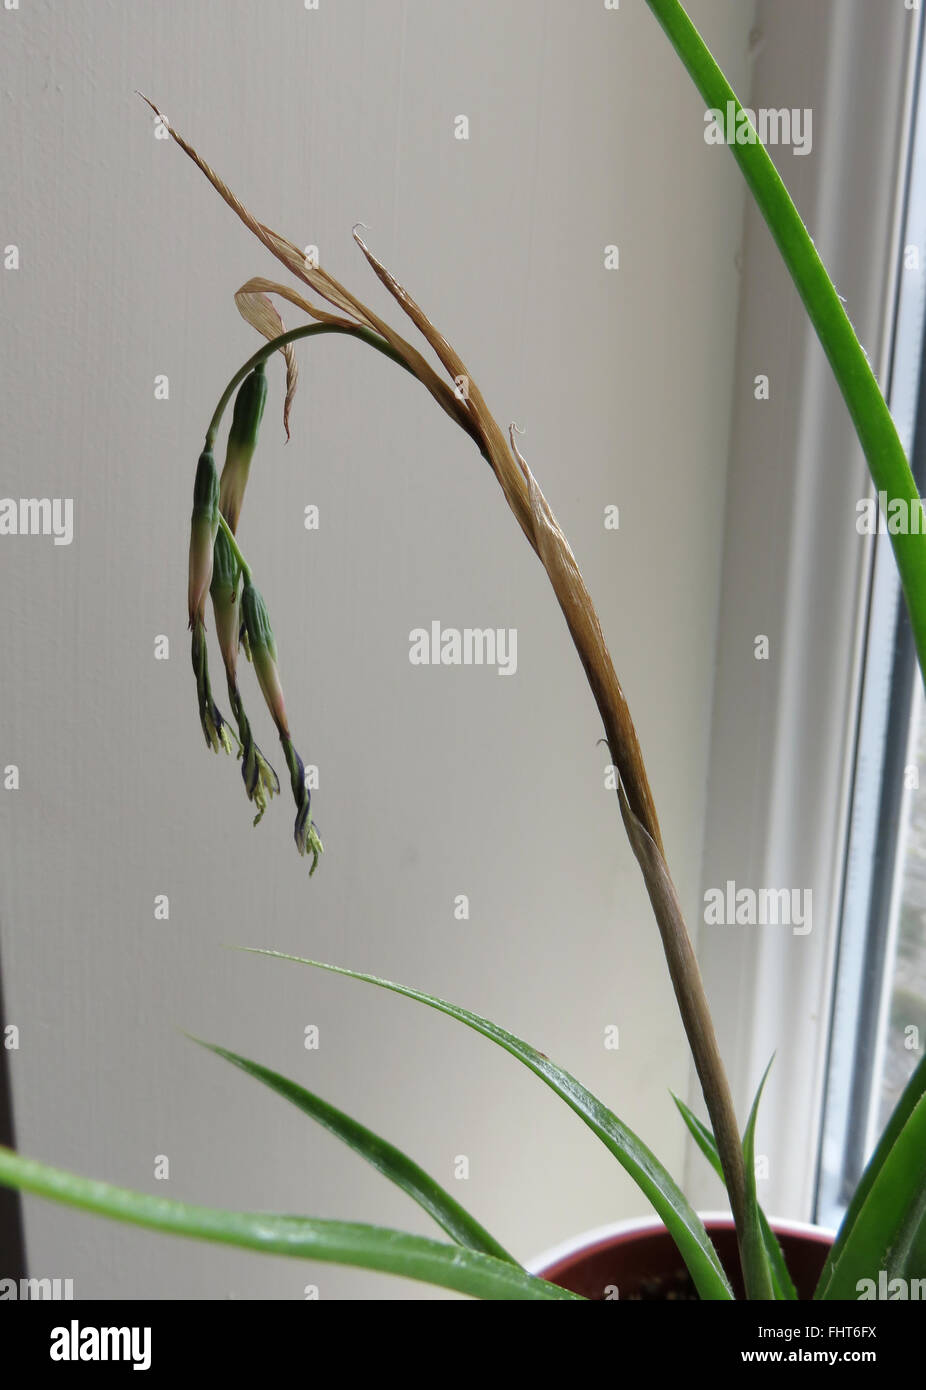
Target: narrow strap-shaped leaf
{"x":891,"y":1222}
{"x":886,"y":1220}
{"x":670,"y":1203}
{"x":701,"y":1135}
{"x":385,"y":1157}
{"x":912,"y":1094}
{"x":781,"y":1277}
{"x":757,"y":1273}
{"x":874,"y":426}
{"x":336,"y":1242}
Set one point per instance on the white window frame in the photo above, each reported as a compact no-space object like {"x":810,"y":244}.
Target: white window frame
{"x":784,"y":730}
{"x":869,"y":925}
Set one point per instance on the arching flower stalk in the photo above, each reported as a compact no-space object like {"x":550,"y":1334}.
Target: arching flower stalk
{"x":462,"y":400}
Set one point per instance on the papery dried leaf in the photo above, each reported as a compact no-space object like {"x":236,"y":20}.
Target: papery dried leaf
{"x":314,"y":276}
{"x":329,"y":288}
{"x":294,"y":259}
{"x":258,"y":285}
{"x":259,"y":311}
{"x":692,"y":1002}
{"x":493,"y":440}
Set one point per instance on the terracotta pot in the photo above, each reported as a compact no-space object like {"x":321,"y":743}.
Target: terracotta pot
{"x":639,"y":1259}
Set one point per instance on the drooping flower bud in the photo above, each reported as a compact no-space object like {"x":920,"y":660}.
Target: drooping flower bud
{"x":226,"y":602}
{"x":263,"y":650}
{"x":264,"y":656}
{"x":204,"y":525}
{"x":306,"y":832}
{"x":242,"y":439}
{"x":260,"y":781}
{"x":215,"y":730}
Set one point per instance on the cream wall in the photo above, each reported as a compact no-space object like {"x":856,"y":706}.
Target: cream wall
{"x":584,"y":131}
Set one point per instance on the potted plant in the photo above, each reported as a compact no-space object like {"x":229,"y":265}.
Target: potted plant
{"x":883,"y":1235}
{"x":638,"y":1261}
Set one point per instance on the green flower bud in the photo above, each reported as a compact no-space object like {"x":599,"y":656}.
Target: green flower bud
{"x":306,"y":832}
{"x":226,"y":602}
{"x":263,"y":650}
{"x":260,"y":781}
{"x":256,"y":624}
{"x":242,"y":440}
{"x":204,"y":524}
{"x":215,"y":730}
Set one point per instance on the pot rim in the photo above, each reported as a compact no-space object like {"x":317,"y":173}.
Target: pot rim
{"x":650,"y":1225}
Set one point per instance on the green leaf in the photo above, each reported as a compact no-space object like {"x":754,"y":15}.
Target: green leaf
{"x":701,"y":1135}
{"x":885,"y":1225}
{"x":757,"y":1273}
{"x":877,"y":435}
{"x":670,"y":1204}
{"x":781,"y":1277}
{"x":336,"y":1242}
{"x":387,"y":1159}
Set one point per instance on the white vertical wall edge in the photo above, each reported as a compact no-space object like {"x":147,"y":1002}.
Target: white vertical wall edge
{"x":784,"y":730}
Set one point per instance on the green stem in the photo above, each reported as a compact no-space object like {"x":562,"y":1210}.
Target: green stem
{"x":242,"y":562}
{"x":872,"y":419}
{"x":306,"y":331}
